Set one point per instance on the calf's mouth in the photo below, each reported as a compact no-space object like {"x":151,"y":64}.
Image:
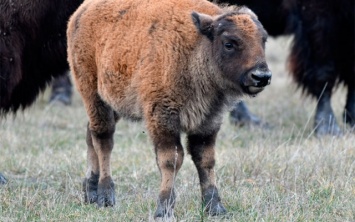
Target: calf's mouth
{"x":255,"y":80}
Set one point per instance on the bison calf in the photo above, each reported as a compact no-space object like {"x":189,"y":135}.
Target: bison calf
{"x":177,"y":64}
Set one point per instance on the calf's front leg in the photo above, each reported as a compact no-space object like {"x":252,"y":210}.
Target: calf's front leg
{"x":169,"y":157}
{"x":201,"y":148}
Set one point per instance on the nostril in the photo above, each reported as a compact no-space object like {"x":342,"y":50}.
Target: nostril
{"x":261,"y":78}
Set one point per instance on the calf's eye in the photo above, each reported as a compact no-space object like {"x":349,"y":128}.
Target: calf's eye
{"x":228,"y":46}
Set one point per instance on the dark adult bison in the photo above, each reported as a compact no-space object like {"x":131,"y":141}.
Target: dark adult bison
{"x":177,"y":64}
{"x":32,"y":49}
{"x":322,"y":54}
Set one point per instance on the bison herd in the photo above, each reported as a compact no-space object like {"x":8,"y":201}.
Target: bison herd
{"x":177,"y":64}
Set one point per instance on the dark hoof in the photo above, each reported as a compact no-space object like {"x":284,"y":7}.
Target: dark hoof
{"x":163,"y":214}
{"x":106,"y":193}
{"x":323,"y":128}
{"x":165,"y":209}
{"x":90,"y":188}
{"x":212,"y":201}
{"x":216,"y":209}
{"x":2,"y":179}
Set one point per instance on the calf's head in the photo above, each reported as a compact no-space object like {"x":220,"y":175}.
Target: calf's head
{"x":237,"y":43}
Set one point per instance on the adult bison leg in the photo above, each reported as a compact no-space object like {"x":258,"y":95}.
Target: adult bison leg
{"x":349,"y":112}
{"x":62,"y":89}
{"x":169,"y":157}
{"x":325,"y":121}
{"x":98,"y":184}
{"x":201,"y":148}
{"x":240,"y":115}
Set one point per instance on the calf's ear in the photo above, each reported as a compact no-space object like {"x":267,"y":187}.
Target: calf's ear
{"x":203,"y":24}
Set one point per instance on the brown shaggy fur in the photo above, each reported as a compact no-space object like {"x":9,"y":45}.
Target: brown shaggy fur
{"x":176,"y":64}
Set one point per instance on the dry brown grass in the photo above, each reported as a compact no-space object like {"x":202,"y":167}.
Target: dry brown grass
{"x":281,"y":174}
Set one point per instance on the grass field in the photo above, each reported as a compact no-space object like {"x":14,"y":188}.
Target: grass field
{"x":280,"y":174}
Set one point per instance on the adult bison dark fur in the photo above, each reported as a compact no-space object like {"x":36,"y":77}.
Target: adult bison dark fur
{"x":322,"y":54}
{"x":177,"y":64}
{"x":32,"y":49}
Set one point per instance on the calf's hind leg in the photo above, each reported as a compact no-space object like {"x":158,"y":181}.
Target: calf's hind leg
{"x":93,"y":170}
{"x":98,"y":185}
{"x":201,"y":148}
